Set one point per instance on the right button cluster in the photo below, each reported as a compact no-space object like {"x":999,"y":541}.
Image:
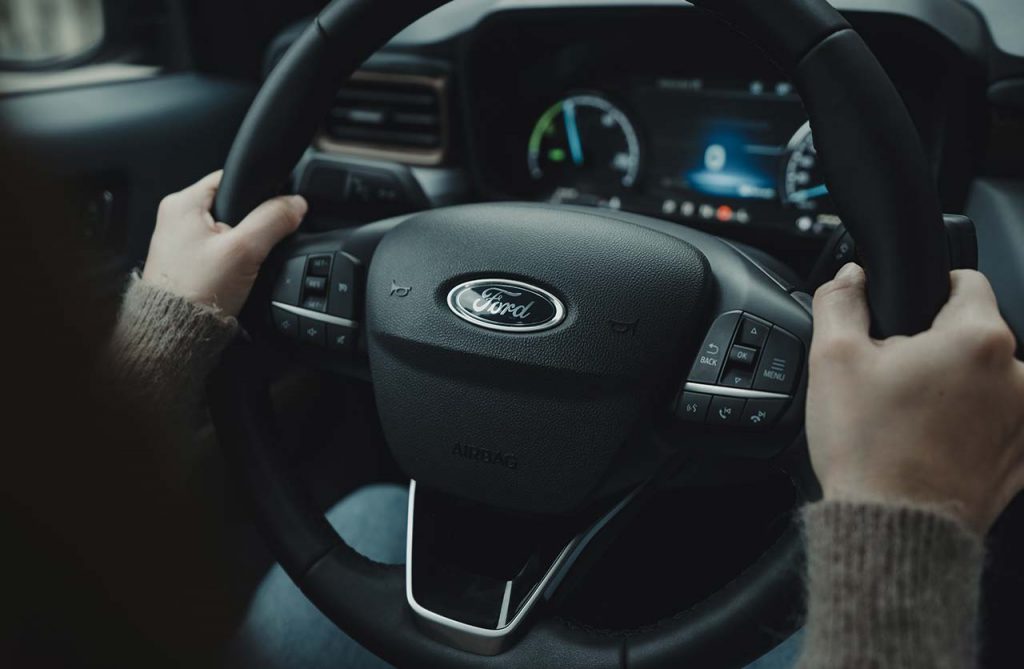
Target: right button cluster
{"x":744,"y":375}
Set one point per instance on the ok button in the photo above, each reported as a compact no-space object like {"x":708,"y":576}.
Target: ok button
{"x":712,"y":354}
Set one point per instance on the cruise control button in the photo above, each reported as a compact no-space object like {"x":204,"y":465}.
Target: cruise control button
{"x":752,"y":332}
{"x":341,"y":294}
{"x":289,"y":282}
{"x":743,"y":355}
{"x":692,"y":407}
{"x":340,"y":337}
{"x":737,"y":377}
{"x":285,"y":322}
{"x":314,"y":303}
{"x":711,"y":356}
{"x":762,"y":414}
{"x":319,"y":266}
{"x":725,"y":411}
{"x":780,"y":363}
{"x":316,"y":285}
{"x":312,"y":331}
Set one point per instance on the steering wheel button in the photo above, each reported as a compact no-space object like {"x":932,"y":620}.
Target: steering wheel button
{"x":780,"y":363}
{"x":316,"y":285}
{"x":725,"y":411}
{"x":753,"y":332}
{"x":319,"y":266}
{"x":314,"y":303}
{"x":708,"y":365}
{"x":737,"y":376}
{"x":289,"y":282}
{"x":693,"y":407}
{"x":285,"y":322}
{"x":743,"y":355}
{"x":341,"y":294}
{"x":762,"y":414}
{"x":340,"y":337}
{"x":312,"y":331}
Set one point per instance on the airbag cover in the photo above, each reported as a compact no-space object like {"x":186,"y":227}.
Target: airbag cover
{"x":526,"y":419}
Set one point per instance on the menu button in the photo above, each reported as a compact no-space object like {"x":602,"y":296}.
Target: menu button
{"x":780,"y":363}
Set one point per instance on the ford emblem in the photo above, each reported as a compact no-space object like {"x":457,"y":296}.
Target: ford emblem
{"x":506,"y":305}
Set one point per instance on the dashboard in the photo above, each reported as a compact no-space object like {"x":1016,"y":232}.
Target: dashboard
{"x":649,"y":107}
{"x":670,"y":114}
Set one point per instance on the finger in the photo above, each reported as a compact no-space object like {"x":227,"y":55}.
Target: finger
{"x":200,"y":195}
{"x":269,"y":223}
{"x":970,"y":297}
{"x":841,"y":307}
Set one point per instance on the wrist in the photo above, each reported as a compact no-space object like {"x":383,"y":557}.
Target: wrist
{"x":905,"y":496}
{"x":878,"y":570}
{"x":164,"y":342}
{"x":163,"y":282}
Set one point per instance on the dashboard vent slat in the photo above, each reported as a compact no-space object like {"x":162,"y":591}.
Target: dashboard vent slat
{"x":389,"y":115}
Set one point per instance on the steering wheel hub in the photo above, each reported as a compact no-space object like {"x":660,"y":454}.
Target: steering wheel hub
{"x":611,"y":311}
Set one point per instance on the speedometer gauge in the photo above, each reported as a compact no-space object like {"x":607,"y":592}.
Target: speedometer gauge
{"x":803,"y":180}
{"x":584,"y":142}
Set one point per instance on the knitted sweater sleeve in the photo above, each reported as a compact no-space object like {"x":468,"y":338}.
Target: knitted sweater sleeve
{"x":889,"y":586}
{"x":161,"y":352}
{"x":164,"y":347}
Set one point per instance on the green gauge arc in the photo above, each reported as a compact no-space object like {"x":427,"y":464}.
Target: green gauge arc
{"x":624,"y":169}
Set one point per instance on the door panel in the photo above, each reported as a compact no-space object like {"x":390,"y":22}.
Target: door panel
{"x":126,"y":145}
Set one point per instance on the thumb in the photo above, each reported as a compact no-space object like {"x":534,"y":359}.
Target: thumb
{"x":269,"y":223}
{"x":841,"y":307}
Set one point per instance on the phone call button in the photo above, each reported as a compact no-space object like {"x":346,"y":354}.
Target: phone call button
{"x":725,"y":411}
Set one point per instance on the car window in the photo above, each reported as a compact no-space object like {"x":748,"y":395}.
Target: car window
{"x":39,"y":33}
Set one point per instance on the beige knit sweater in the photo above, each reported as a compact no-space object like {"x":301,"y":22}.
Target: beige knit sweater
{"x":886,"y":586}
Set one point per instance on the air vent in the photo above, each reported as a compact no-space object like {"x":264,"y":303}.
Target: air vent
{"x":391,"y":116}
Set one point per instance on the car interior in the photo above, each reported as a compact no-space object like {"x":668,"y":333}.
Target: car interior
{"x":555,"y":279}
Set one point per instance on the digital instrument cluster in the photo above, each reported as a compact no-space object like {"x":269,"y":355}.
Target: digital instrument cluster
{"x":699,"y":151}
{"x":691,"y":123}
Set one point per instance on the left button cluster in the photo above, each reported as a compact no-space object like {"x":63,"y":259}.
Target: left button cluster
{"x":314,"y":300}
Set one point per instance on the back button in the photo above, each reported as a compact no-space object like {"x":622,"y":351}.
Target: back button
{"x":708,"y":365}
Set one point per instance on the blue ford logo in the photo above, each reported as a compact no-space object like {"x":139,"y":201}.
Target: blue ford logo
{"x":506,"y":305}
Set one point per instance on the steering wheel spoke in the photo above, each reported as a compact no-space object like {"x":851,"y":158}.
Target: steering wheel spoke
{"x":745,"y":390}
{"x":309,"y":302}
{"x":475,"y":575}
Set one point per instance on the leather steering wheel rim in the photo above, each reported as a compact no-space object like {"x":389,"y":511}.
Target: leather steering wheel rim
{"x":878,"y":176}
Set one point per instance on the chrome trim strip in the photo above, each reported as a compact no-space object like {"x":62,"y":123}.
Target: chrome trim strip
{"x":479,"y":322}
{"x":473,"y":639}
{"x":725,"y":391}
{"x":587,"y":537}
{"x":316,"y":315}
{"x":505,"y":600}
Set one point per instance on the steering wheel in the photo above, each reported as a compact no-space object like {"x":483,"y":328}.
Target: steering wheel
{"x":538,"y":368}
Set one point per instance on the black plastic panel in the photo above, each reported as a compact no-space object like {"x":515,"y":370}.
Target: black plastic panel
{"x":153,"y":135}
